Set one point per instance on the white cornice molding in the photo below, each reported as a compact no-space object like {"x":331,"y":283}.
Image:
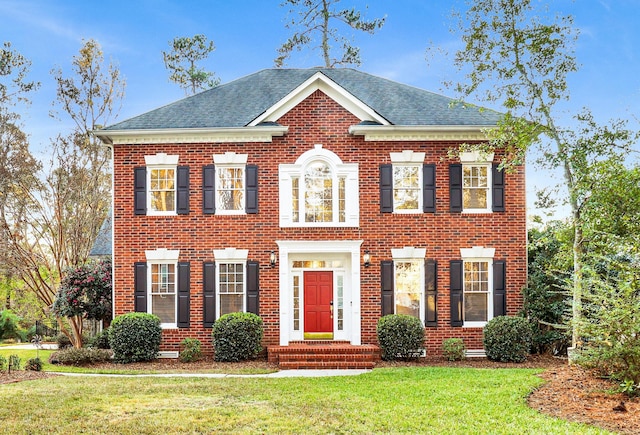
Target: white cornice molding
{"x":321,"y":82}
{"x":191,"y":135}
{"x":420,"y":132}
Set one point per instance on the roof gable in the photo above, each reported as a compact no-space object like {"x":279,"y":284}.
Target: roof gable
{"x":247,"y":109}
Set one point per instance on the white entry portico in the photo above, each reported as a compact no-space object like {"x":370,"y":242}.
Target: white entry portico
{"x":342,"y":258}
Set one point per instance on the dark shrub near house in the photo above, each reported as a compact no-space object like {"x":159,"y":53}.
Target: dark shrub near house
{"x":400,"y":336}
{"x":101,"y":340}
{"x":507,"y":339}
{"x":135,"y":337}
{"x":454,"y":349}
{"x":237,"y":337}
{"x":192,"y":350}
{"x":72,"y":356}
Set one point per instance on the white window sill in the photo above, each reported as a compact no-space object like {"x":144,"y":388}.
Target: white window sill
{"x":168,"y":326}
{"x":230,"y":212}
{"x":401,"y":211}
{"x":474,"y":324}
{"x":476,"y":211}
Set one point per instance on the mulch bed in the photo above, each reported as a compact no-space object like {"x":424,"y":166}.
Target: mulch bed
{"x":570,"y":392}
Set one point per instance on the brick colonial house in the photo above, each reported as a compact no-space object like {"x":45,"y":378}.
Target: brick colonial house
{"x":320,"y":199}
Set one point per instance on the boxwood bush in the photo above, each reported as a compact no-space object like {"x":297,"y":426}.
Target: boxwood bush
{"x":135,"y":337}
{"x":72,"y":356}
{"x":454,"y":349}
{"x":400,"y":336}
{"x":237,"y":337}
{"x":507,"y":339}
{"x":192,"y":350}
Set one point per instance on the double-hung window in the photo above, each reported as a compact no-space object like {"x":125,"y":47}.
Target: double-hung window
{"x":231,"y":293}
{"x":477,"y":285}
{"x":407,"y":185}
{"x":476,"y":185}
{"x":161,"y":187}
{"x":162,"y":287}
{"x":230,"y":186}
{"x":409,"y":287}
{"x":319,"y":190}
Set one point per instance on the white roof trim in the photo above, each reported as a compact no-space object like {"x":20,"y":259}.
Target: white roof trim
{"x":319,"y":81}
{"x":192,"y":135}
{"x":420,"y":132}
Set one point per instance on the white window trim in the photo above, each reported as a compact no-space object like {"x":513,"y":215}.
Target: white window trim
{"x":348,"y":171}
{"x":479,"y":253}
{"x":412,"y":159}
{"x":478,"y":159}
{"x":161,"y":161}
{"x":231,"y":256}
{"x":409,"y":253}
{"x":231,"y":160}
{"x":162,"y":256}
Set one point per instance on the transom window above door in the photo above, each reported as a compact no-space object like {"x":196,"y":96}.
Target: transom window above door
{"x":319,"y":190}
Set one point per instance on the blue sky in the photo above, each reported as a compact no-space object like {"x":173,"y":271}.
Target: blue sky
{"x":247,"y":34}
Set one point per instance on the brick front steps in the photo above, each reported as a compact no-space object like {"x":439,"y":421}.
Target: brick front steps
{"x":323,"y":354}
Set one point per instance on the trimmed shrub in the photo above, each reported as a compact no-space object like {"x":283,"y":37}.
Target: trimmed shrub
{"x":192,"y":350}
{"x":135,"y":337}
{"x":3,"y":363}
{"x":77,"y":357}
{"x":400,"y":337}
{"x":33,"y":364}
{"x":453,"y":349}
{"x":237,"y":337}
{"x":100,"y":340}
{"x":63,"y":341}
{"x":507,"y":339}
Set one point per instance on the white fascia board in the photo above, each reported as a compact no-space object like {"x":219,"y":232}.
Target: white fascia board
{"x":420,"y":132}
{"x":192,"y":135}
{"x":321,"y":82}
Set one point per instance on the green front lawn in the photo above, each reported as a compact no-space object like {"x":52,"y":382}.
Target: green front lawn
{"x":411,"y":400}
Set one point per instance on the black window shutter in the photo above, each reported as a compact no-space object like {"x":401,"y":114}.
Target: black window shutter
{"x":140,"y":287}
{"x":251,"y":189}
{"x":182,"y":190}
{"x":184,"y":298}
{"x":209,"y":189}
{"x":253,"y":286}
{"x":455,"y":289}
{"x":429,"y":188}
{"x":497,"y":192}
{"x":430,"y":293}
{"x":386,"y":188}
{"x":455,"y":188}
{"x":388,"y":300}
{"x":499,"y":288}
{"x":140,"y":190}
{"x":209,"y":291}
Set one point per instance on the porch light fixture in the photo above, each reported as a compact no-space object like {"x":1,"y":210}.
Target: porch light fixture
{"x":272,"y":258}
{"x":366,"y":258}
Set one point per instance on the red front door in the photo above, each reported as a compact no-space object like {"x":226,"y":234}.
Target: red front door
{"x":318,"y":297}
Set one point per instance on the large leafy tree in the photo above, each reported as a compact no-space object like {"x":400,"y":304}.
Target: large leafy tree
{"x":516,"y":57}
{"x":183,"y":60}
{"x":65,"y":209}
{"x":17,"y":165}
{"x":315,"y":20}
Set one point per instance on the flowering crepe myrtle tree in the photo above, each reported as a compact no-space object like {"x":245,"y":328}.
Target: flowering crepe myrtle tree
{"x":85,"y":293}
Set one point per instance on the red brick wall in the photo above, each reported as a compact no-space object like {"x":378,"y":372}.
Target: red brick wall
{"x":317,"y":120}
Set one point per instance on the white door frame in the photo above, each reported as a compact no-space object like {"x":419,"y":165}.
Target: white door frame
{"x":296,"y":249}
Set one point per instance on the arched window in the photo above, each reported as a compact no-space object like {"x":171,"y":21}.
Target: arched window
{"x":319,"y":190}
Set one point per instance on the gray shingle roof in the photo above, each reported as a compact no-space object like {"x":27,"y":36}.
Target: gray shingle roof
{"x":102,"y":245}
{"x":237,"y":103}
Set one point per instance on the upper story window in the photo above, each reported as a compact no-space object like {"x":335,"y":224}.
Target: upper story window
{"x":162,"y":190}
{"x":476,"y":185}
{"x":161,"y":187}
{"x":407,"y":185}
{"x":319,"y":190}
{"x":230,"y":186}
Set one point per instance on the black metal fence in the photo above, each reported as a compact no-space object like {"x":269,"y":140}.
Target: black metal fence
{"x":44,"y":330}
